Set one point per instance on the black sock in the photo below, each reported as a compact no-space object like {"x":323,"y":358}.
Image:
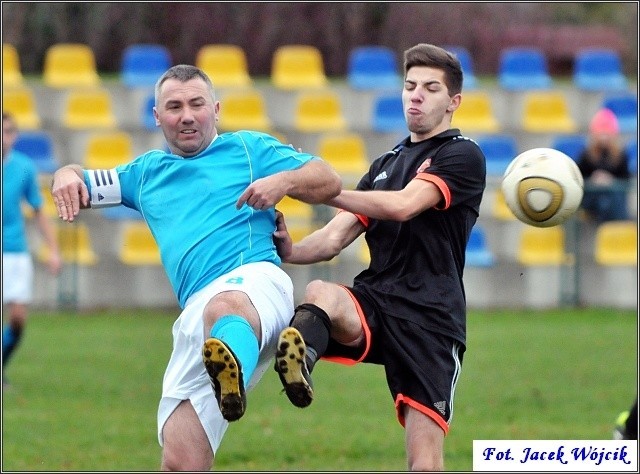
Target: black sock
{"x":315,"y":326}
{"x":632,"y":422}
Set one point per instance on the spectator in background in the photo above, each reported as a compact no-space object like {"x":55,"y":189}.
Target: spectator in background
{"x":604,"y":166}
{"x":19,"y":183}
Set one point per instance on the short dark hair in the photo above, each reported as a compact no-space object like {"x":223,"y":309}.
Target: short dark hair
{"x":429,"y":55}
{"x":184,"y":73}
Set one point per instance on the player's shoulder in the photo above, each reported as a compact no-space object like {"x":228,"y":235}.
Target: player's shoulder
{"x":23,"y":160}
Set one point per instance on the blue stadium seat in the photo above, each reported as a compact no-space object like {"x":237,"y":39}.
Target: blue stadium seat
{"x":148,"y":120}
{"x":499,"y":150}
{"x":598,"y":69}
{"x":466,"y":61}
{"x":478,"y":253}
{"x":38,"y":145}
{"x":143,"y":64}
{"x":373,"y":67}
{"x":625,"y":106}
{"x":571,"y":145}
{"x":388,"y":114}
{"x":632,"y":151}
{"x":523,"y":69}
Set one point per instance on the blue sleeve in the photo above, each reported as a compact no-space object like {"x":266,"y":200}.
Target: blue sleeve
{"x":276,"y":157}
{"x":32,"y":190}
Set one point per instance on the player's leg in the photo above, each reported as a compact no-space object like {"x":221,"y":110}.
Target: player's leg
{"x":328,"y":311}
{"x":424,"y":441}
{"x":185,"y":443}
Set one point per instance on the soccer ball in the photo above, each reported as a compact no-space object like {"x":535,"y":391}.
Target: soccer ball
{"x":543,"y":187}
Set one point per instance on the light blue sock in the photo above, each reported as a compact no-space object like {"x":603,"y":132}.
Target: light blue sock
{"x":238,"y":335}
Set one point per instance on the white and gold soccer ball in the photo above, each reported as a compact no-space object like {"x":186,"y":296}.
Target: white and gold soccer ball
{"x":543,"y":187}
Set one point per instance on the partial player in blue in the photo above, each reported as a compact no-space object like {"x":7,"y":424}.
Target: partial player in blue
{"x":210,"y":204}
{"x":19,"y":185}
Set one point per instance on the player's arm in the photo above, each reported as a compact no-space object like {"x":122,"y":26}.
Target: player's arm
{"x":417,"y":196}
{"x":48,"y":234}
{"x":70,"y":193}
{"x":314,"y":182}
{"x":322,"y":244}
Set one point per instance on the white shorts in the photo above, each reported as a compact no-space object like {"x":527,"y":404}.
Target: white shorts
{"x":271,"y":292}
{"x":17,"y":278}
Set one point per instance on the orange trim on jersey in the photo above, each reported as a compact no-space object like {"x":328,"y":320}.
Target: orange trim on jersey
{"x":435,"y":416}
{"x":442,"y":186}
{"x":364,"y":220}
{"x":367,"y":336}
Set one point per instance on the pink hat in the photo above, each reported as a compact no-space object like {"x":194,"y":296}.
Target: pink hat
{"x":604,"y":121}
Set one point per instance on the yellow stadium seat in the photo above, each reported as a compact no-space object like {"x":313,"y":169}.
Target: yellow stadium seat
{"x":70,"y":65}
{"x":244,"y":110}
{"x":138,"y":245}
{"x":475,"y":114}
{"x":88,"y":108}
{"x":319,"y":111}
{"x":547,"y":112}
{"x":616,"y":244}
{"x":11,"y":72}
{"x":543,"y":246}
{"x":108,"y":149}
{"x":75,"y":245}
{"x":298,"y":67}
{"x":364,"y":256}
{"x":346,"y":152}
{"x":500,"y":209}
{"x":298,"y":217}
{"x":225,"y":64}
{"x":20,"y":102}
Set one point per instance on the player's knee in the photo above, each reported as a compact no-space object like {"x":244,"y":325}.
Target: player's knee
{"x":317,"y":290}
{"x":179,"y":460}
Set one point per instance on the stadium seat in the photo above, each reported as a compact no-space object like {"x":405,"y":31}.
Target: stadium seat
{"x":108,"y":149}
{"x":470,"y":80}
{"x":48,"y":205}
{"x":143,"y":64}
{"x":347,"y":153}
{"x":632,"y":152}
{"x":478,"y":253}
{"x":571,"y":145}
{"x":318,"y":111}
{"x":39,"y":146}
{"x":20,"y":102}
{"x":373,"y":67}
{"x":547,"y":112}
{"x":88,"y":108}
{"x":298,"y":67}
{"x":625,"y":107}
{"x":598,"y":69}
{"x":523,"y":69}
{"x":138,"y":246}
{"x":616,"y":243}
{"x":244,"y":110}
{"x":475,"y":114}
{"x":499,"y":150}
{"x":74,"y":241}
{"x":70,"y":65}
{"x":11,"y":71}
{"x":147,"y":119}
{"x":225,"y":64}
{"x":388,"y":114}
{"x":540,"y":246}
{"x":298,"y":215}
{"x":500,"y":210}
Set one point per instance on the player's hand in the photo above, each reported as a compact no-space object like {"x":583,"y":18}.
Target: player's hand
{"x":69,"y":193}
{"x":55,"y":263}
{"x":281,"y":237}
{"x":263,"y":193}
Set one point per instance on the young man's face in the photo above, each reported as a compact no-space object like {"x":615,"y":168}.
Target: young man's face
{"x":187,"y":114}
{"x":427,"y":105}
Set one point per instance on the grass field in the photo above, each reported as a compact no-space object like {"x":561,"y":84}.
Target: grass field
{"x":85,"y":390}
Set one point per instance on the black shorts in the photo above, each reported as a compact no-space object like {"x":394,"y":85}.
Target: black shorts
{"x":422,"y":366}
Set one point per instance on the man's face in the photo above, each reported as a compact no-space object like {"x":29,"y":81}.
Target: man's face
{"x":426,"y":102}
{"x":187,"y":115}
{"x":9,"y":135}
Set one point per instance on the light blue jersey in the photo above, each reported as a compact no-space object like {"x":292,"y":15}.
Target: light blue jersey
{"x":190,"y":204}
{"x":19,"y":183}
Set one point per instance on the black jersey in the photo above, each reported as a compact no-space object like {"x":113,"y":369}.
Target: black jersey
{"x":417,"y":266}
